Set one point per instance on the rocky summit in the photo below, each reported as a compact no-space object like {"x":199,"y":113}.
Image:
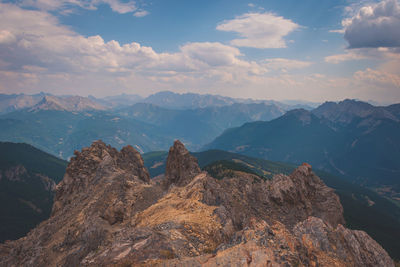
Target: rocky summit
{"x":107,"y":212}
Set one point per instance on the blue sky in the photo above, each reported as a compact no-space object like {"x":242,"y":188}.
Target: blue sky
{"x":313,"y":50}
{"x":171,"y":24}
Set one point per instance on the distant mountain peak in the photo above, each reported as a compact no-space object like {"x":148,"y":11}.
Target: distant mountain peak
{"x":67,"y":103}
{"x":187,"y":100}
{"x":347,"y":110}
{"x":48,"y":103}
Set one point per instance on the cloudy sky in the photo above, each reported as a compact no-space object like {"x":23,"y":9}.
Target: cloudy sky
{"x":311,"y":49}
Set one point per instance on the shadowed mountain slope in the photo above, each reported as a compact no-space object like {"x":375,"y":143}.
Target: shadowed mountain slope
{"x":352,"y":139}
{"x":28,"y":178}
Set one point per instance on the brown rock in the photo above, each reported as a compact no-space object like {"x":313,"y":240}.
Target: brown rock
{"x":181,"y":167}
{"x":306,"y":190}
{"x":107,"y":213}
{"x":131,"y":160}
{"x":357,"y":248}
{"x":92,"y":164}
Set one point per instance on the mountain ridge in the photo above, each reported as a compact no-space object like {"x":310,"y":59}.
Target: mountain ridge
{"x":68,"y":103}
{"x":164,"y":99}
{"x":347,"y":110}
{"x":123,"y":218}
{"x":351,"y":139}
{"x":147,"y":126}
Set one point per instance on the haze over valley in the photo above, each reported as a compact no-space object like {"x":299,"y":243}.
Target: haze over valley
{"x":199,"y":133}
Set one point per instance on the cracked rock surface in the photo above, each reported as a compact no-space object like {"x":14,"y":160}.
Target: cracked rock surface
{"x":107,"y":212}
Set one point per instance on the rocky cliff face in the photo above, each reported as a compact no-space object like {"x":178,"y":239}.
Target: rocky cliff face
{"x":107,"y":212}
{"x":181,"y":167}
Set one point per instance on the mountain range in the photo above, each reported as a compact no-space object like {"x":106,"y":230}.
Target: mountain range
{"x":10,"y":103}
{"x":62,"y":132}
{"x":67,"y":103}
{"x":59,"y":125}
{"x":173,"y":100}
{"x":108,"y":212}
{"x":164,"y":99}
{"x":200,"y":125}
{"x":352,"y":139}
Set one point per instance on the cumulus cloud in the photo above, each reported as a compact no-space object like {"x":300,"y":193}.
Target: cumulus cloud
{"x":39,"y":39}
{"x":259,"y":30}
{"x":374,"y":25}
{"x":37,"y":53}
{"x":213,"y":54}
{"x":35,"y":38}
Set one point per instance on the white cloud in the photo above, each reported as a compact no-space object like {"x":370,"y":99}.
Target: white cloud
{"x":56,"y":48}
{"x":348,"y":56}
{"x":65,"y":6}
{"x":378,"y":77}
{"x":43,"y":55}
{"x":374,"y":25}
{"x":141,"y":13}
{"x":213,"y":54}
{"x":259,"y":30}
{"x":118,"y":6}
{"x":341,"y":31}
{"x":284,"y":64}
{"x":41,"y":40}
{"x":48,"y":4}
{"x":6,"y":37}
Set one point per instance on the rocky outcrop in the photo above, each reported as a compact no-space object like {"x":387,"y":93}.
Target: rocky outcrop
{"x":181,"y":166}
{"x":288,"y":199}
{"x":94,"y":166}
{"x":108,"y":213}
{"x":313,"y":243}
{"x":355,"y":248}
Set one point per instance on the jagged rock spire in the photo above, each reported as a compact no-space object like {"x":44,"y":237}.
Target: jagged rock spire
{"x":108,"y":216}
{"x":91,"y":165}
{"x":181,"y":166}
{"x":130,"y":159}
{"x":305,"y":188}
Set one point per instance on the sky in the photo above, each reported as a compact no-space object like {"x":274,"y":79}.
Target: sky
{"x":313,"y":50}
